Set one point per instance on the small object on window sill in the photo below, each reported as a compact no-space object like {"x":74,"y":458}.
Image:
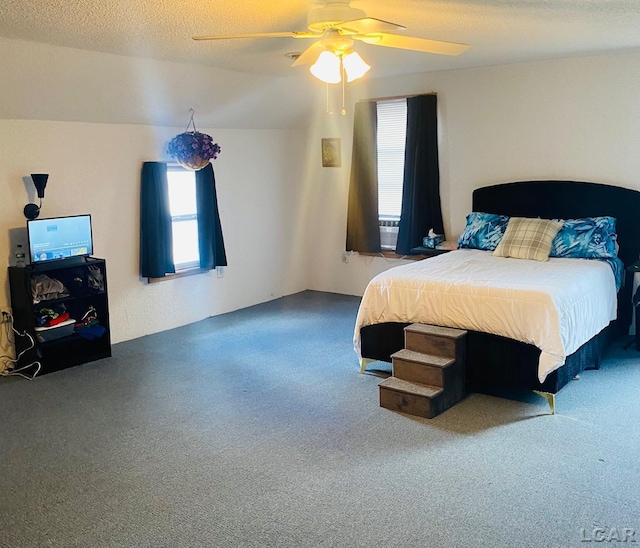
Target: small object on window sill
{"x":432,"y":241}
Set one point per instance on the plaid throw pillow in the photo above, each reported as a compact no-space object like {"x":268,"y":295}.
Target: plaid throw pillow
{"x":528,"y":238}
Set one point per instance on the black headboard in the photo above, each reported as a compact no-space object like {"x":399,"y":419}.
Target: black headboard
{"x":572,"y":200}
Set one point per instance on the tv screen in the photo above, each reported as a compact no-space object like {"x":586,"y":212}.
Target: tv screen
{"x":59,"y":238}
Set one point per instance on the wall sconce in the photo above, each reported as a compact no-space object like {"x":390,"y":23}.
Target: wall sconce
{"x":31,"y":211}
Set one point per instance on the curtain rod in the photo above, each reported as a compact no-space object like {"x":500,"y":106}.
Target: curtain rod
{"x":396,"y":97}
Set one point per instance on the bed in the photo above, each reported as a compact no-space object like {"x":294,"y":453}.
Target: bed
{"x":497,"y":362}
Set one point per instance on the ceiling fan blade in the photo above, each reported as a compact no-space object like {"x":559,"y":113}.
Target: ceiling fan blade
{"x":309,"y":55}
{"x":286,"y":34}
{"x":412,"y":43}
{"x":367,"y":25}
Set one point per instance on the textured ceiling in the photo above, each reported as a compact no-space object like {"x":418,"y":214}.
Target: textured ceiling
{"x":498,"y":31}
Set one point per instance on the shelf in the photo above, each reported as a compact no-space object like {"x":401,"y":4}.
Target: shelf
{"x":73,"y":349}
{"x":72,"y":297}
{"x":69,"y":339}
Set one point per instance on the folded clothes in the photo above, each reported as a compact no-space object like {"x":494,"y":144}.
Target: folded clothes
{"x":90,"y":317}
{"x":55,"y":321}
{"x":44,"y":288}
{"x":86,"y":323}
{"x":49,"y":316}
{"x":91,"y":332}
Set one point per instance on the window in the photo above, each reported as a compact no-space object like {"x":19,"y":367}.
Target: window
{"x":391,"y":137}
{"x":179,"y":221}
{"x":392,"y":205}
{"x":184,"y":217}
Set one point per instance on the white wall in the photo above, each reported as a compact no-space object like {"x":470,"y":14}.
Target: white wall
{"x":95,"y":168}
{"x":576,"y":119}
{"x":90,"y":120}
{"x":42,"y":82}
{"x":326,"y":196}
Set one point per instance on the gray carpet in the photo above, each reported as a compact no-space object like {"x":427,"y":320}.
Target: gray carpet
{"x":254,"y":429}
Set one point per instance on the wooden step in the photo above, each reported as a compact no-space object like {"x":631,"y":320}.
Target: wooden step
{"x":410,"y":397}
{"x":418,"y":367}
{"x":436,"y":371}
{"x":435,"y":340}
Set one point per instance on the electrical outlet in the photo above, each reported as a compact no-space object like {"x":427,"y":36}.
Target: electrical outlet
{"x":345,"y":257}
{"x":220,"y":271}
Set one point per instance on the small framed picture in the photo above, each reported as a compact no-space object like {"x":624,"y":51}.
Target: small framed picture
{"x":331,"y":153}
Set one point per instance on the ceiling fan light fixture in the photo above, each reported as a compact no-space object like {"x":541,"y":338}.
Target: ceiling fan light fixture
{"x":354,"y":66}
{"x":327,"y":68}
{"x":332,"y":14}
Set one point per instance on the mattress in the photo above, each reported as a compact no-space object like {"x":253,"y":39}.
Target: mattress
{"x":556,"y":305}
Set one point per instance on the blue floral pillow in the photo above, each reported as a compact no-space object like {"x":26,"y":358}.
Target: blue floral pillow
{"x":618,"y":270}
{"x":483,"y":231}
{"x":589,"y":238}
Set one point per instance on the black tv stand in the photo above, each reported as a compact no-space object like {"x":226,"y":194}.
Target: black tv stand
{"x":85,"y":281}
{"x":55,"y":265}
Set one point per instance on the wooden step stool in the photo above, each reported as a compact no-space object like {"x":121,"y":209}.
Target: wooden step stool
{"x":428,"y":374}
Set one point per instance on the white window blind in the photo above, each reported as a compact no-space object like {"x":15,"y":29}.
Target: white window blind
{"x":392,"y":130}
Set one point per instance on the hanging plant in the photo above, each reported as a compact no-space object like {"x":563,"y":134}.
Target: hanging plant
{"x":192,"y":149}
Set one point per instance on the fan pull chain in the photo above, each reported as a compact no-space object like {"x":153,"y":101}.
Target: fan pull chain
{"x":344,"y":110}
{"x":328,"y":111}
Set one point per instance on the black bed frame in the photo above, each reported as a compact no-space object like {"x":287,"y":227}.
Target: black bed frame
{"x":496,"y":363}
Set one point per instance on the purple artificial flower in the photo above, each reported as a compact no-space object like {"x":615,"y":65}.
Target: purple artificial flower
{"x":193,"y":143}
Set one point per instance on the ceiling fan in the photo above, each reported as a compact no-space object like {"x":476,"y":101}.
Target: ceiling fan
{"x":336,"y":25}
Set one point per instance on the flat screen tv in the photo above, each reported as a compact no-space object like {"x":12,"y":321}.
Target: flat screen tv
{"x":59,"y":238}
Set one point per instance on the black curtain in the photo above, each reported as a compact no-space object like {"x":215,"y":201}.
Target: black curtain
{"x":363,"y":232}
{"x":156,"y":246}
{"x":421,"y":187}
{"x":210,"y":240}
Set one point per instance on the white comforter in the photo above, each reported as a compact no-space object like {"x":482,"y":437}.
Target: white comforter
{"x":556,"y":305}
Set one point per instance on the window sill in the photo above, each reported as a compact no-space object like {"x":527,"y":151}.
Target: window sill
{"x":180,"y":274}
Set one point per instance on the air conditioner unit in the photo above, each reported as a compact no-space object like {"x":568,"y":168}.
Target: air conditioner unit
{"x":388,"y":237}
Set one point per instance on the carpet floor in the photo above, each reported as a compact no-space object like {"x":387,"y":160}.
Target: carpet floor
{"x":255,"y":429}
